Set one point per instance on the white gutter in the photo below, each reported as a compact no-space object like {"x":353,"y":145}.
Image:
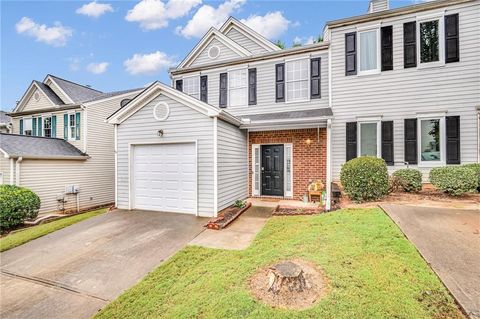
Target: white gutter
{"x":328,"y":205}
{"x":215,"y":168}
{"x":115,"y":152}
{"x":17,"y":171}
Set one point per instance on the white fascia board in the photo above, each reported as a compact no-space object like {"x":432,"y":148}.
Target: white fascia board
{"x":49,"y":78}
{"x":207,"y":38}
{"x":28,"y":94}
{"x":113,"y":97}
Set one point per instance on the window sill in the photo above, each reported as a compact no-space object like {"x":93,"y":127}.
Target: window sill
{"x":371,"y":72}
{"x":430,"y":164}
{"x":296,"y":101}
{"x":430,"y":65}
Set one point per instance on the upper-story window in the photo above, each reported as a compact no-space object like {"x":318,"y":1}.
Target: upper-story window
{"x":47,"y":127}
{"x":27,"y":127}
{"x":430,"y":48}
{"x":369,"y":51}
{"x":297,"y":79}
{"x":191,"y":86}
{"x":237,"y":87}
{"x":71,"y":126}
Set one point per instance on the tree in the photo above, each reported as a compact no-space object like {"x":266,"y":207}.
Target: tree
{"x":280,"y":44}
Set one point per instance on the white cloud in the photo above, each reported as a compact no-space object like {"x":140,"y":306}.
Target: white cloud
{"x":304,"y":40}
{"x":155,"y":14}
{"x":97,"y":68}
{"x":148,"y":63}
{"x":74,"y":63}
{"x":271,"y":25}
{"x":57,"y":35}
{"x":94,"y":9}
{"x":207,"y":17}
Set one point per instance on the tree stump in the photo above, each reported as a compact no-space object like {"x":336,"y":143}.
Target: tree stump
{"x":286,"y":275}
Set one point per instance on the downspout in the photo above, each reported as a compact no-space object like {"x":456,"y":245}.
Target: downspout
{"x":115,"y":152}
{"x":84,"y":128}
{"x":12,"y":171}
{"x":17,"y":170}
{"x":328,"y":205}
{"x":215,"y":168}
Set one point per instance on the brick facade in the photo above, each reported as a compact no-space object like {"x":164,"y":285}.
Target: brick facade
{"x":309,"y":155}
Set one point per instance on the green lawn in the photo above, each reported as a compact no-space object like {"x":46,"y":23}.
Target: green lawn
{"x":31,"y":233}
{"x":374,"y":272}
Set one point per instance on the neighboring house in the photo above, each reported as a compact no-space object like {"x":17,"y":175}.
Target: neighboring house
{"x":5,"y":122}
{"x":244,"y":118}
{"x":61,"y":147}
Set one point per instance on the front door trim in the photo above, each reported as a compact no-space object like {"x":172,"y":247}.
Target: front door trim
{"x":288,"y":191}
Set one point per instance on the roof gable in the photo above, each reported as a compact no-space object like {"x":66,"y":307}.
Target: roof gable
{"x":46,"y":98}
{"x":72,"y":92}
{"x":157,"y":88}
{"x":249,"y":34}
{"x":202,"y":46}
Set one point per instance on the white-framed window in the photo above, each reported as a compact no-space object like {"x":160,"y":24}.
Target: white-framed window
{"x":71,"y":126}
{"x":27,"y":127}
{"x":430,"y":39}
{"x":369,"y":138}
{"x":297,"y":80}
{"x":237,"y":87}
{"x":47,"y":127}
{"x":191,"y":86}
{"x":369,"y":57}
{"x":431,"y":141}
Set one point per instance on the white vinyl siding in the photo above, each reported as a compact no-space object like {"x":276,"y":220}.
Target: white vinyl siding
{"x":183,"y":124}
{"x":33,"y":104}
{"x":232,"y":164}
{"x":225,"y":54}
{"x":266,"y":88}
{"x":403,"y":93}
{"x":245,"y":41}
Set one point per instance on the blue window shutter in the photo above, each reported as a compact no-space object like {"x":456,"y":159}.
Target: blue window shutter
{"x":54,"y":126}
{"x":39,"y":120}
{"x":21,"y":127}
{"x":34,"y":126}
{"x":77,"y":126}
{"x":65,"y":126}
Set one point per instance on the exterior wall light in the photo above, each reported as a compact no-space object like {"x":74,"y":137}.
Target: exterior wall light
{"x":160,"y":133}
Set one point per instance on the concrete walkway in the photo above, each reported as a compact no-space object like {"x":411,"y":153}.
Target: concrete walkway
{"x":238,"y":235}
{"x":75,"y":271}
{"x":449,"y":240}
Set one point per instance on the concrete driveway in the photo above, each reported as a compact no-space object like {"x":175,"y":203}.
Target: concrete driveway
{"x":74,"y":272}
{"x":449,"y":239}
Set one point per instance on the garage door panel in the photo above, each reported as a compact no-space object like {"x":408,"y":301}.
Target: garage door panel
{"x":165,"y":178}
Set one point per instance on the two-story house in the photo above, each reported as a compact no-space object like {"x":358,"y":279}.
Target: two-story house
{"x":60,"y":146}
{"x":244,"y":118}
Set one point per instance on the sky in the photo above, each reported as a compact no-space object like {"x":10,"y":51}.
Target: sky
{"x":118,"y":45}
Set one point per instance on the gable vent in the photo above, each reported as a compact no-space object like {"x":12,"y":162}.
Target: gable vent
{"x":378,"y":5}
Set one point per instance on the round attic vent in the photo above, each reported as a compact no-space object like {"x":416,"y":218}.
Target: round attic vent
{"x":213,"y":52}
{"x":124,"y":102}
{"x":161,"y":111}
{"x":36,"y":96}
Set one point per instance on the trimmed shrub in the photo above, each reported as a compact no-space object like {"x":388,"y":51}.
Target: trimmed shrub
{"x":409,"y":179}
{"x":16,"y":205}
{"x":476,"y":168}
{"x":365,"y":178}
{"x":454,"y":180}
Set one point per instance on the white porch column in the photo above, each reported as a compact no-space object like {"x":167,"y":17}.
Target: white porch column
{"x":329,"y":165}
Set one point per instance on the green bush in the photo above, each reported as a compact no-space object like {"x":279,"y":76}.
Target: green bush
{"x":409,"y":179}
{"x":476,"y":168}
{"x":454,"y":180}
{"x":16,"y":205}
{"x":365,"y":178}
{"x":240,"y":203}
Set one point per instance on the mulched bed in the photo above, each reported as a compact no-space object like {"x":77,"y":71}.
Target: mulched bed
{"x":296,"y":211}
{"x":226,"y":217}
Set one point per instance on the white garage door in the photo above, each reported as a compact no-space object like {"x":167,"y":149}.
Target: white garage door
{"x":165,"y":177}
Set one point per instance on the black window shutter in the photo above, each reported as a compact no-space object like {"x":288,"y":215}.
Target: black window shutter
{"x":315,"y":68}
{"x":453,"y":139}
{"x":410,"y":138}
{"x":223,"y":89}
{"x":387,"y":48}
{"x":252,"y":86}
{"x":387,"y":142}
{"x":351,"y":53}
{"x":410,"y":44}
{"x":179,"y":85}
{"x":351,"y":140}
{"x":452,"y":45}
{"x":280,"y":82}
{"x":204,"y":88}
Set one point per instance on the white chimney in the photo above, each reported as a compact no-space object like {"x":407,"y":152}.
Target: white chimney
{"x":378,"y":5}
